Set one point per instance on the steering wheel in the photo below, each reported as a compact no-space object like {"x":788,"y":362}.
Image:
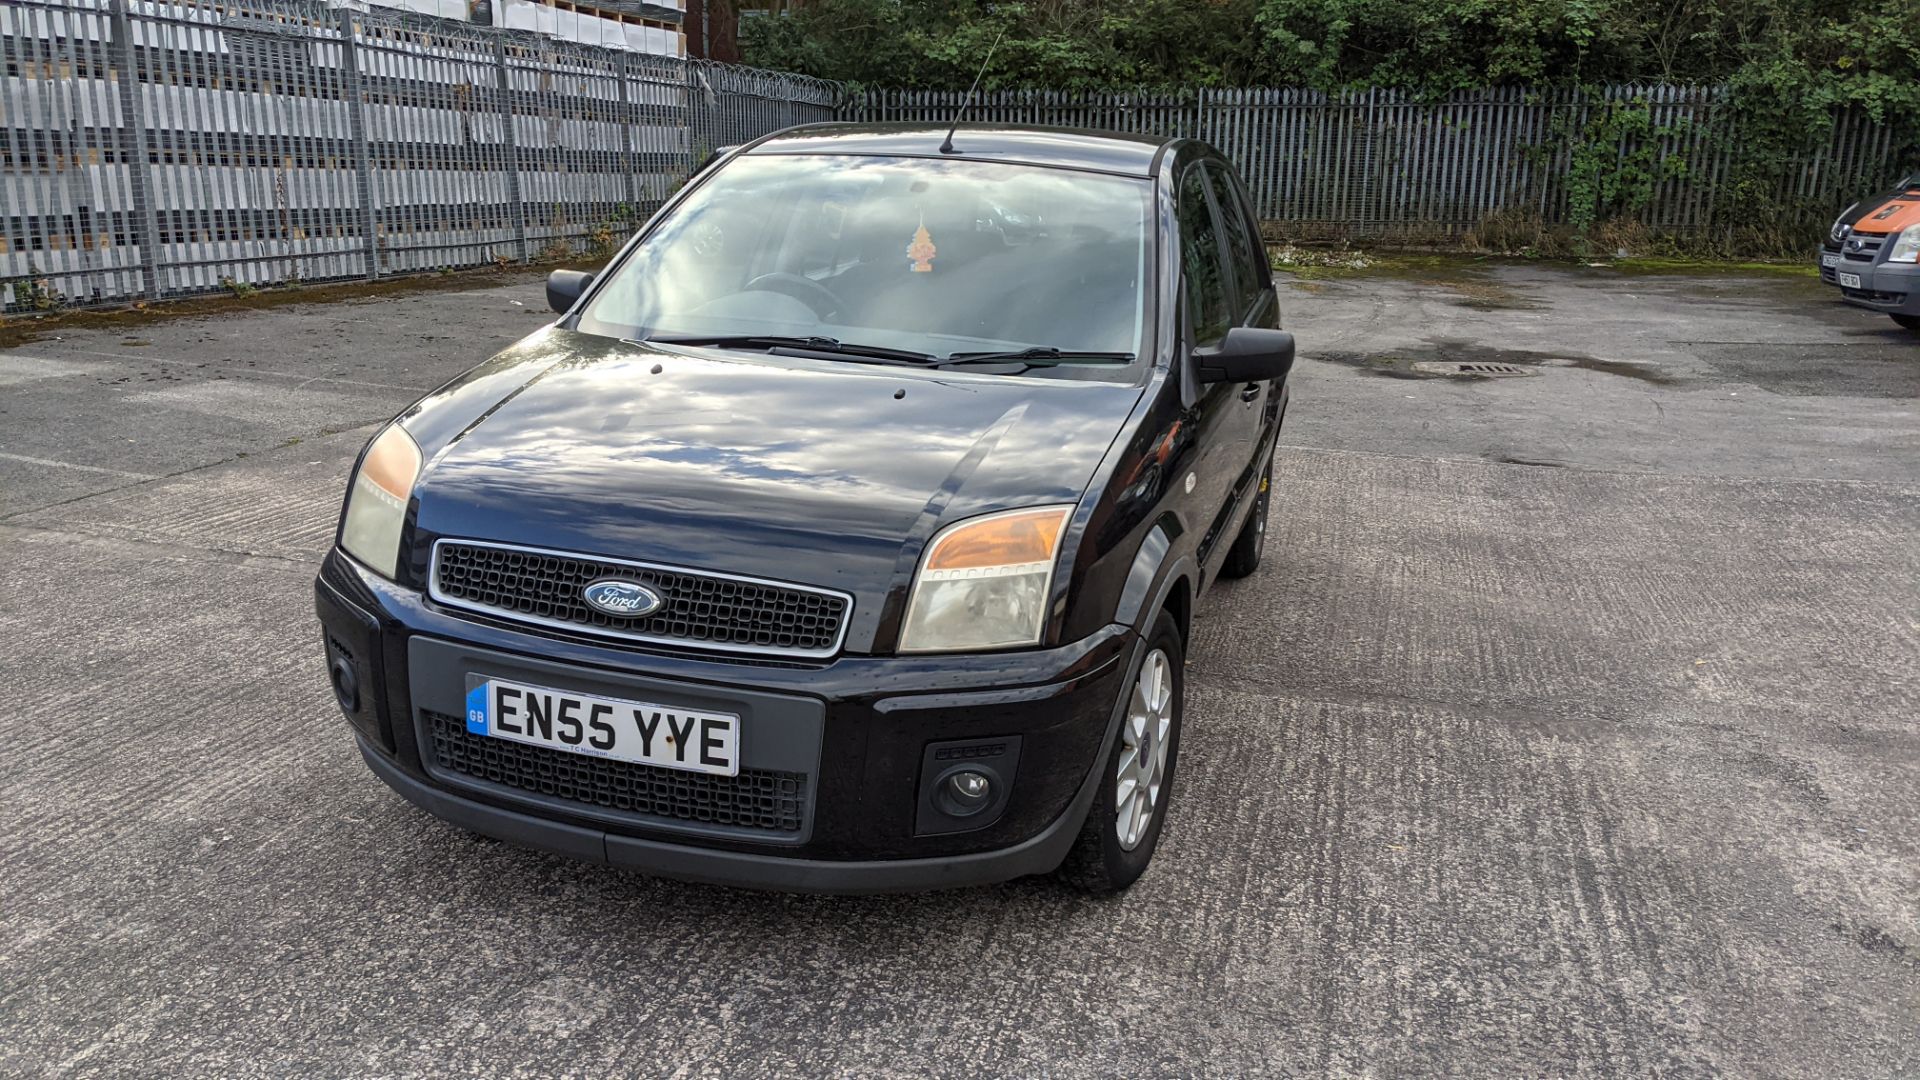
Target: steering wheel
{"x":821,"y":299}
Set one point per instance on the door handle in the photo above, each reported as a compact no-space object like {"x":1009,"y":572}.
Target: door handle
{"x":1250,"y":392}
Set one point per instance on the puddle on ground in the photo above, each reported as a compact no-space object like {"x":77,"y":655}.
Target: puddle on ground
{"x":1399,"y":363}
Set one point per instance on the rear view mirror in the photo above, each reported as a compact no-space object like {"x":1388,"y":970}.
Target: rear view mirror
{"x":1246,"y":354}
{"x":565,"y":286}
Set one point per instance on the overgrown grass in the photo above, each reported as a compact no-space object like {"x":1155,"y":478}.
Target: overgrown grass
{"x":1318,"y":264}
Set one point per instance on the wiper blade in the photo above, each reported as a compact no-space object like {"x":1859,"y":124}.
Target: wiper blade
{"x":810,"y":344}
{"x":1038,"y":356}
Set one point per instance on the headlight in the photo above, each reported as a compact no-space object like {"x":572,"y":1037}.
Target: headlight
{"x":983,"y":583}
{"x":1906,"y":246}
{"x":377,"y":500}
{"x":1839,"y":230}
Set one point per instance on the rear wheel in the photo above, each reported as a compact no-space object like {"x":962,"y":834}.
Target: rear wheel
{"x":1911,"y":322}
{"x":1123,"y":826}
{"x":1243,"y":557}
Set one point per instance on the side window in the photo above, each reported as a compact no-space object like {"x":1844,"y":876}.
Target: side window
{"x":1247,"y":259}
{"x":1208,"y":314}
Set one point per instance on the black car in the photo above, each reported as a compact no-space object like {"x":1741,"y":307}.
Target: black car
{"x":845,"y":533}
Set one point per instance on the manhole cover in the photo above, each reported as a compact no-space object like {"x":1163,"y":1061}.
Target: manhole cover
{"x":1473,"y":368}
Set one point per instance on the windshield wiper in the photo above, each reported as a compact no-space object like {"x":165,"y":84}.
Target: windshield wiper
{"x":1038,"y":356}
{"x":833,"y":346}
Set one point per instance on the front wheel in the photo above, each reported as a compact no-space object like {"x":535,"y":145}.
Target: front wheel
{"x":1123,"y":826}
{"x":1911,"y":322}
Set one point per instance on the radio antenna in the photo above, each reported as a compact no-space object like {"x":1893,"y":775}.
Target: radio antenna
{"x":947,"y":146}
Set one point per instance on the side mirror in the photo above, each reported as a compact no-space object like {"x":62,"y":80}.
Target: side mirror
{"x":565,"y":286}
{"x":1246,"y":354}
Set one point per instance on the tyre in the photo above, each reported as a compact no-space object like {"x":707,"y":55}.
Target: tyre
{"x":1123,"y":825}
{"x":1243,"y":557}
{"x":1911,"y":322}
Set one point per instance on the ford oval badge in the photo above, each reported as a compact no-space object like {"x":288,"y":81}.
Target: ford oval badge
{"x":628,"y":599}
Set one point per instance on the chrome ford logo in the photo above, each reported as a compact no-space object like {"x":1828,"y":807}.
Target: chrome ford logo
{"x":629,"y":599}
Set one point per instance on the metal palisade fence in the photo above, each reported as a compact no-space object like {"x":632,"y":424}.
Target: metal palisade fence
{"x":1382,"y":164}
{"x":154,"y":149}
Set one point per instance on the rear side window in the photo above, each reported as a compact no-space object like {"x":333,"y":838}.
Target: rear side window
{"x":1247,"y":259}
{"x":1208,"y":306}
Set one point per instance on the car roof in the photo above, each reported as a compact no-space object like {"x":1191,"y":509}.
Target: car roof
{"x":1070,"y":148}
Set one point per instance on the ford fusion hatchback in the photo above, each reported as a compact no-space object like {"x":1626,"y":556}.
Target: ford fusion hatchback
{"x":845,"y":533}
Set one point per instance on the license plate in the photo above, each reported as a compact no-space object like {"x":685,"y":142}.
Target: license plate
{"x":1829,"y":260}
{"x":1851,"y":281}
{"x":637,"y":731}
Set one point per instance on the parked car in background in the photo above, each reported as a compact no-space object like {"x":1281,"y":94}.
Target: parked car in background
{"x":1872,"y":253}
{"x":846,"y":532}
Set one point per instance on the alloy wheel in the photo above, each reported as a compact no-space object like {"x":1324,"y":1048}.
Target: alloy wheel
{"x":1142,"y":772}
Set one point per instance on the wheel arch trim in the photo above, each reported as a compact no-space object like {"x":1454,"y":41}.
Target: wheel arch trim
{"x":1151,"y":579}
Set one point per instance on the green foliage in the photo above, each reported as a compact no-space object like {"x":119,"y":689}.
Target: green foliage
{"x":1787,"y":65}
{"x":603,"y":239}
{"x":1051,"y":44}
{"x":1614,"y":161}
{"x":32,"y":293}
{"x":1812,"y":53}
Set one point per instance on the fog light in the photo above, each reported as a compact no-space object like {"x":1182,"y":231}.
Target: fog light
{"x":346,"y":687}
{"x":964,"y":784}
{"x":967,"y":792}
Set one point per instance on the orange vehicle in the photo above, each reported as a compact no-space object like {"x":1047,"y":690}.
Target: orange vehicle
{"x":1872,"y":253}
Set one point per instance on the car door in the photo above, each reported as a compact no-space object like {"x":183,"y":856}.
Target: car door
{"x":1207,"y":311}
{"x":1254,"y":303}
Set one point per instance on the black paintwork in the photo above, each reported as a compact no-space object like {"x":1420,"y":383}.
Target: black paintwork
{"x":809,"y":470}
{"x":828,"y":473}
{"x":1852,"y":215}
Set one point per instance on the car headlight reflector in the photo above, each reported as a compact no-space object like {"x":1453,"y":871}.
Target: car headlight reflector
{"x":983,"y":583}
{"x":1906,"y":246}
{"x":377,"y":500}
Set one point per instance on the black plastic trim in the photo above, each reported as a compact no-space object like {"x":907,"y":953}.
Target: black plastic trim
{"x":1038,"y":855}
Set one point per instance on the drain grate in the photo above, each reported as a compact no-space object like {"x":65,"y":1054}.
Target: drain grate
{"x":1474,"y":369}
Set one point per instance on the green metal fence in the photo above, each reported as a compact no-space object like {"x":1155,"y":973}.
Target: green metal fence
{"x":1378,"y":163}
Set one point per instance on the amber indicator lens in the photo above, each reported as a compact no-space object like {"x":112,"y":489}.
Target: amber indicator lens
{"x":1004,"y":540}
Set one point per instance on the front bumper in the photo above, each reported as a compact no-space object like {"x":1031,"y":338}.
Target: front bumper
{"x":1038,"y":854}
{"x":858,"y":728}
{"x":1893,"y":288}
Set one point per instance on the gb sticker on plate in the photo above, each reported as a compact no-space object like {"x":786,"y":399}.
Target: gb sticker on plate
{"x":477,"y":710}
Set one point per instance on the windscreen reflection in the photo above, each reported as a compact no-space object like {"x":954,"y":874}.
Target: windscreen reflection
{"x":925,"y":255}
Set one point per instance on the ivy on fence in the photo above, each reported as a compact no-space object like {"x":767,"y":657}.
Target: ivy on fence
{"x":1555,"y":170}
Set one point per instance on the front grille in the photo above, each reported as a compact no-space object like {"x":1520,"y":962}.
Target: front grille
{"x":1869,"y":247}
{"x":698,"y":609}
{"x":759,"y":799}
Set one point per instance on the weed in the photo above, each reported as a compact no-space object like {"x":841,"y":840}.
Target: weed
{"x":613,"y":231}
{"x":32,"y":293}
{"x":1304,"y":261}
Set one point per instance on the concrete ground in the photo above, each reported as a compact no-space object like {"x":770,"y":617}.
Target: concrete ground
{"x":1568,"y":730}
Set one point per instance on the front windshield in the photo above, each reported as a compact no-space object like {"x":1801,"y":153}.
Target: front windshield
{"x":925,"y":255}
